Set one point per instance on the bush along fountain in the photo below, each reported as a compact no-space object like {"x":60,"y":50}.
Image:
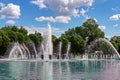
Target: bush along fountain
{"x":94,"y":51}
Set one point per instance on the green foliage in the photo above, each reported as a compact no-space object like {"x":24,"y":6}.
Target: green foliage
{"x":101,"y":46}
{"x":1,"y":40}
{"x":69,"y":32}
{"x":56,"y":42}
{"x":77,"y":44}
{"x":91,"y":30}
{"x":36,"y":38}
{"x":88,"y":29}
{"x":64,"y":41}
{"x":4,"y":38}
{"x":116,"y":42}
{"x":77,"y":36}
{"x":12,"y":35}
{"x":14,"y":28}
{"x":23,"y":30}
{"x":53,"y":38}
{"x":20,"y":37}
{"x":16,"y":35}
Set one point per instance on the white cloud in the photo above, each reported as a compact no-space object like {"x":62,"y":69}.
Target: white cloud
{"x":108,"y":37}
{"x":56,"y":31}
{"x":10,"y":11}
{"x":114,"y":9}
{"x":95,"y":19}
{"x":63,"y":7}
{"x":42,"y":18}
{"x":2,"y":4}
{"x":32,"y":29}
{"x":61,"y":19}
{"x":102,"y":27}
{"x":40,"y":3}
{"x":115,"y":25}
{"x":82,"y":12}
{"x":117,"y":9}
{"x":10,"y":22}
{"x":115,"y":17}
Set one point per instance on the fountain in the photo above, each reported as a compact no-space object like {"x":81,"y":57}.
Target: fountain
{"x":46,"y":69}
{"x":47,"y":48}
{"x":68,"y":50}
{"x":19,"y":51}
{"x":100,"y":51}
{"x":60,"y":48}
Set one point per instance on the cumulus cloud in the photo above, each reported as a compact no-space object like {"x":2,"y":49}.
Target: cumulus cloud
{"x":61,"y":19}
{"x":116,"y":25}
{"x":2,"y":4}
{"x":40,"y":3}
{"x":32,"y":29}
{"x":10,"y":22}
{"x":63,"y":7}
{"x":10,"y":11}
{"x":115,"y":17}
{"x":83,"y":13}
{"x":102,"y":27}
{"x":56,"y":31}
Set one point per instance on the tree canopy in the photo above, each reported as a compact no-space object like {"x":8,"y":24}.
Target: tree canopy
{"x":79,"y":37}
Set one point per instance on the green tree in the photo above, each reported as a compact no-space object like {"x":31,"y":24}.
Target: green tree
{"x":80,"y":31}
{"x":23,"y":30}
{"x":36,"y":38}
{"x":1,"y":40}
{"x":4,"y":38}
{"x":4,"y":42}
{"x":77,"y":44}
{"x":91,"y":30}
{"x":12,"y":35}
{"x":64,"y":41}
{"x":69,"y":32}
{"x":20,"y":37}
{"x":14,"y":28}
{"x":116,"y":42}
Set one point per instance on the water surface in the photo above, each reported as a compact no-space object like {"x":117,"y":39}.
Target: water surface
{"x":60,"y":70}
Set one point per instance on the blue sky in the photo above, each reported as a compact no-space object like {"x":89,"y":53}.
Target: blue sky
{"x":62,"y":14}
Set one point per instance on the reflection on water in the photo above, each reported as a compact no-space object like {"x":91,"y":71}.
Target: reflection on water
{"x":57,"y":70}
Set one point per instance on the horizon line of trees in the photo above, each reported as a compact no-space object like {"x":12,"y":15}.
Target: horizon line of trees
{"x":79,"y":37}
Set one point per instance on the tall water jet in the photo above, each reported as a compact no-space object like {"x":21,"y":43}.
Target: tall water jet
{"x":68,"y":49}
{"x":47,"y":43}
{"x":60,"y":48}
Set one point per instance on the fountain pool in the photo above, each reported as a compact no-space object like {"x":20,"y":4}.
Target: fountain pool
{"x":60,"y":70}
